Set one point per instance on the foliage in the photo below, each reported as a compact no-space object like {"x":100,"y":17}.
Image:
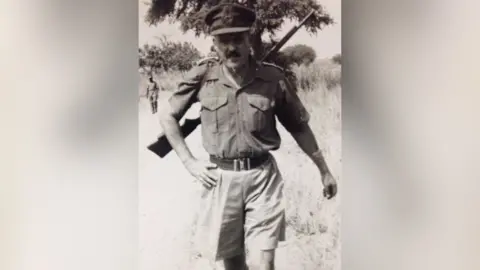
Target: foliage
{"x":337,"y":59}
{"x":290,"y":57}
{"x":271,"y":16}
{"x":299,"y":54}
{"x":168,"y":55}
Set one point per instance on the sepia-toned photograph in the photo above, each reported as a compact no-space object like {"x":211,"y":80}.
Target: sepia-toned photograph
{"x":239,"y":107}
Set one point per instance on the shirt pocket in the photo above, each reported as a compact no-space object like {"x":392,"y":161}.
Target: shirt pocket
{"x":214,"y":113}
{"x":259,"y":113}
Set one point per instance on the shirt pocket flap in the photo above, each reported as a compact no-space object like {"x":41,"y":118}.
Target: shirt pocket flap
{"x":213,"y":103}
{"x":259,"y":102}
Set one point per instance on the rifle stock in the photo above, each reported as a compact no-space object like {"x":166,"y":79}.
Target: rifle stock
{"x":161,"y":147}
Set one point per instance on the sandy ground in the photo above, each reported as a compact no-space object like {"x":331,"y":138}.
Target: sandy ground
{"x":169,"y":200}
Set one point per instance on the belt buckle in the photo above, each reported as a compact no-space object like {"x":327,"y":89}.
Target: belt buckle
{"x":241,"y":164}
{"x":235,"y":165}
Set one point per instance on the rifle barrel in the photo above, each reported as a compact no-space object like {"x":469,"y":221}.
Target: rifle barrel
{"x":287,"y":36}
{"x":306,"y":18}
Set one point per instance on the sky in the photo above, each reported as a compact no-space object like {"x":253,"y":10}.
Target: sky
{"x":326,"y":43}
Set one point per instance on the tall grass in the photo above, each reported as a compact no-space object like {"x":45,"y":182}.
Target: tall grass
{"x":324,"y":74}
{"x":314,"y":224}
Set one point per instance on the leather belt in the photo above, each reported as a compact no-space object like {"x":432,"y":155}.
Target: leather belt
{"x":240,"y":164}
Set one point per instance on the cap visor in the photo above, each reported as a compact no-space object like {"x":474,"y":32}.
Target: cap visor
{"x":229,"y":30}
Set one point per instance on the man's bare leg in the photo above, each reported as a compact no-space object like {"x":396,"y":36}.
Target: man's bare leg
{"x":266,"y":260}
{"x":152,"y":105}
{"x":235,"y":263}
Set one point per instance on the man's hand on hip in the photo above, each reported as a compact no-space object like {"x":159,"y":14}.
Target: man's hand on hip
{"x":203,"y":171}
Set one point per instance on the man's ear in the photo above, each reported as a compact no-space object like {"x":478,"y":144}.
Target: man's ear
{"x":248,"y":37}
{"x":215,"y":45}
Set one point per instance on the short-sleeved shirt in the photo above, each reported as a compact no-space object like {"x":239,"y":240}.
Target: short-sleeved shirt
{"x":240,"y":122}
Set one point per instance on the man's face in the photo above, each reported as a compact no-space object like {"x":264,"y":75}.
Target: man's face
{"x":233,"y":48}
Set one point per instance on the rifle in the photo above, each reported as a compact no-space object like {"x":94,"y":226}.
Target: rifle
{"x":161,"y":147}
{"x":290,"y":33}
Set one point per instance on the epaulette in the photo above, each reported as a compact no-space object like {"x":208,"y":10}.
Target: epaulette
{"x":206,"y":60}
{"x":273,"y":65}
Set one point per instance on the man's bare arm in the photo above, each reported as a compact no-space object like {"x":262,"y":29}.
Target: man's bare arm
{"x":149,"y":91}
{"x":172,"y":131}
{"x":306,"y":141}
{"x":198,"y":169}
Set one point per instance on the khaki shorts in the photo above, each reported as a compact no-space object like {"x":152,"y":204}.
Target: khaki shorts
{"x":245,"y":209}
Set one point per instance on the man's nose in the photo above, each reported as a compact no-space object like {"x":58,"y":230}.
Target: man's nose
{"x":230,"y":47}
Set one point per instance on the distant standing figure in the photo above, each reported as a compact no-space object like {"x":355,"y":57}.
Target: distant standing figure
{"x":152,"y":94}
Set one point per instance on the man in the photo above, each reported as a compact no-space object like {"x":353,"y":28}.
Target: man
{"x":152,"y":94}
{"x":240,"y":98}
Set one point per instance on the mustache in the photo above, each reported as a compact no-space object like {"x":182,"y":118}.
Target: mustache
{"x":232,"y":54}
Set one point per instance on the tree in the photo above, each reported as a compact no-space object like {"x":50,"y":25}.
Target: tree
{"x":299,"y":54}
{"x":337,"y":59}
{"x":271,"y":16}
{"x":167,"y":55}
{"x":151,"y":59}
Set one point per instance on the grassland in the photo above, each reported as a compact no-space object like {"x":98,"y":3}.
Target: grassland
{"x":169,"y":197}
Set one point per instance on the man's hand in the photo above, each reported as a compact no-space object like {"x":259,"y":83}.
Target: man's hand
{"x":306,"y":141}
{"x":329,"y":185}
{"x":203,"y":172}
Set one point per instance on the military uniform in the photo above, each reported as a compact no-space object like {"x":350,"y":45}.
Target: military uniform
{"x":238,"y":131}
{"x":152,"y":94}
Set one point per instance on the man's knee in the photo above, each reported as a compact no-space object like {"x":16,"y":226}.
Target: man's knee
{"x":263,"y":260}
{"x":268,"y":256}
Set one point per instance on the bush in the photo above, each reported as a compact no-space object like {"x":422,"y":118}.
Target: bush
{"x":337,"y":59}
{"x":168,"y":55}
{"x":299,"y":54}
{"x":150,"y":59}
